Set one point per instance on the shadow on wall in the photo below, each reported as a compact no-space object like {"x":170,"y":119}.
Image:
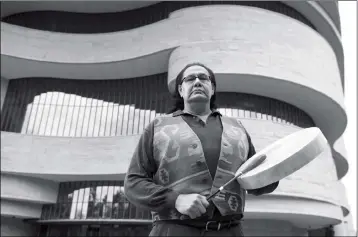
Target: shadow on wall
{"x":16,"y":227}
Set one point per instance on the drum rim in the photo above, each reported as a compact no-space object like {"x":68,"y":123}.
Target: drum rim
{"x":319,"y":139}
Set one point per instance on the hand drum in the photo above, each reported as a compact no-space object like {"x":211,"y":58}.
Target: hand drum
{"x":284,"y":157}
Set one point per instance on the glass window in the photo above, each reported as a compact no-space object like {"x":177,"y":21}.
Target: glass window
{"x":85,"y":203}
{"x":74,"y":205}
{"x":93,"y":200}
{"x":80,"y":202}
{"x":117,"y":107}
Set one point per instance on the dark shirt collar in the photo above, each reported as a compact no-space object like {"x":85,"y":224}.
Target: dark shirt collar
{"x":180,"y":112}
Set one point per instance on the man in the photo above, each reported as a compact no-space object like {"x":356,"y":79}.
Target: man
{"x":184,"y":157}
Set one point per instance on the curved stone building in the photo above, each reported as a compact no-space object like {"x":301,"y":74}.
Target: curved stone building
{"x":81,"y":80}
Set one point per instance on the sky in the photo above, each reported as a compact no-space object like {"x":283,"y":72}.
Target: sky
{"x":348,"y":14}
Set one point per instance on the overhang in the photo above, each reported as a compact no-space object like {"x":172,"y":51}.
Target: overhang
{"x":22,"y":210}
{"x":28,"y":189}
{"x":319,"y":15}
{"x":323,"y":15}
{"x":9,"y":7}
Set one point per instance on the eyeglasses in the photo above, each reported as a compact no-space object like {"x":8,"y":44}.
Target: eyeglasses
{"x":192,"y":77}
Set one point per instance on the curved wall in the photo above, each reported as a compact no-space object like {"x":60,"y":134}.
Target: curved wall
{"x":16,"y":227}
{"x":317,"y":14}
{"x":74,"y":22}
{"x":271,"y":228}
{"x":323,"y":16}
{"x":331,"y":8}
{"x":85,"y":152}
{"x":289,"y":52}
{"x":20,"y":188}
{"x":21,"y":210}
{"x":64,"y":159}
{"x":9,"y":8}
{"x":214,"y":23}
{"x":301,"y":213}
{"x":339,"y":151}
{"x":260,"y":52}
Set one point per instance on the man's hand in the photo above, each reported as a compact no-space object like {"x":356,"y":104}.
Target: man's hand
{"x":193,"y":205}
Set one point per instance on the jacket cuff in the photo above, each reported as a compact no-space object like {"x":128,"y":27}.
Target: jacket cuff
{"x":264,"y":190}
{"x":171,"y":199}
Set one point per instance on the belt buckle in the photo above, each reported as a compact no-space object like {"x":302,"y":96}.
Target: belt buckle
{"x":208,"y":223}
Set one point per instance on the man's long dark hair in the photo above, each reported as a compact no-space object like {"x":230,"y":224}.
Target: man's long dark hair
{"x":178,"y":102}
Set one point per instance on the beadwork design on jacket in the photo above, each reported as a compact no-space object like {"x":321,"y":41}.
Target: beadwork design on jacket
{"x":227,"y":150}
{"x":192,"y":149}
{"x":164,"y":145}
{"x":182,"y":167}
{"x":233,"y":203}
{"x":164,"y":176}
{"x":174,"y":161}
{"x":233,"y":133}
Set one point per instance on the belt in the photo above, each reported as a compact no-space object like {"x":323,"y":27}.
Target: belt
{"x":207,"y":225}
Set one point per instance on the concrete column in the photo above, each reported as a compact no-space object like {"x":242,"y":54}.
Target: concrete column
{"x":345,"y":228}
{"x":4,"y":84}
{"x":340,"y":230}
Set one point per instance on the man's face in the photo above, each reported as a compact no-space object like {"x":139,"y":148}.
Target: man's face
{"x":196,"y":85}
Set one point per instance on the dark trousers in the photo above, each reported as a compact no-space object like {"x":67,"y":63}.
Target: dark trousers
{"x":169,"y":229}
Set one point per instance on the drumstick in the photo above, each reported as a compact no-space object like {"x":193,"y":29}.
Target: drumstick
{"x":247,"y":166}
